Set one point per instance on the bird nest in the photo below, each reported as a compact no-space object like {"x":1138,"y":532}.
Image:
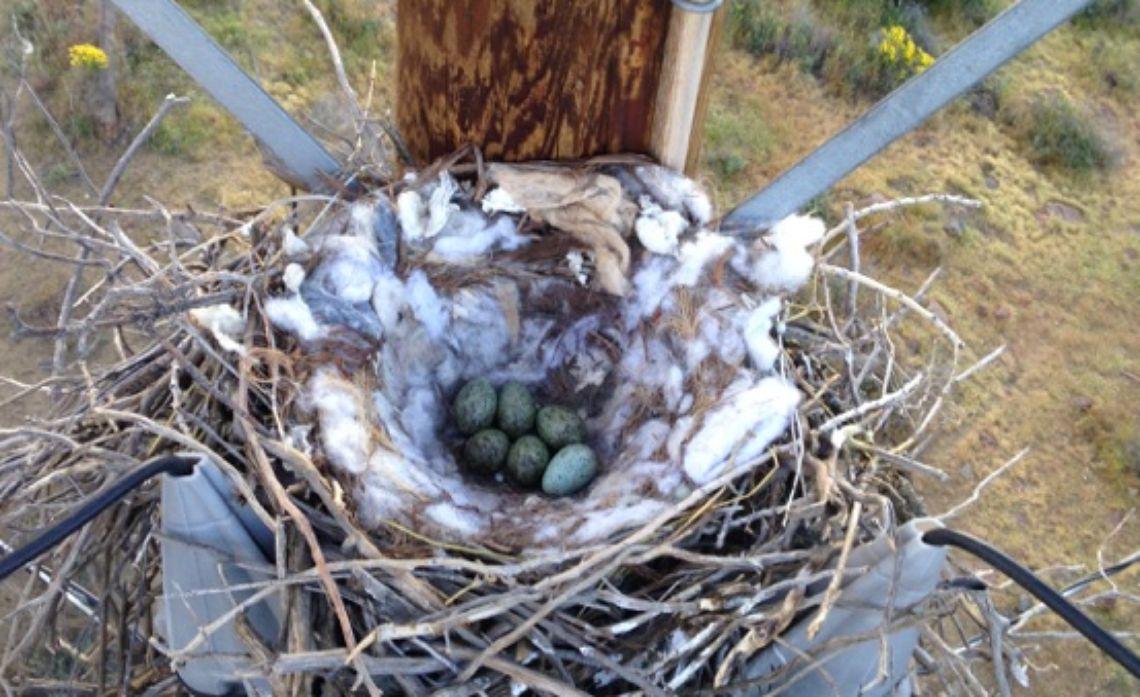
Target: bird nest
{"x":752,"y":418}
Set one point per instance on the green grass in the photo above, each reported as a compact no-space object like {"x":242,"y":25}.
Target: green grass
{"x":1059,"y":134}
{"x":734,"y":137}
{"x":1109,"y":13}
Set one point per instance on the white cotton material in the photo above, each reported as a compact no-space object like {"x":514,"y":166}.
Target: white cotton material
{"x":410,"y":211}
{"x":788,"y":264}
{"x":362,"y":220}
{"x":426,"y":304}
{"x":455,"y":518}
{"x":387,"y":300}
{"x":349,"y":267}
{"x":293,"y":277}
{"x":658,"y":230}
{"x":762,"y":350}
{"x":342,"y":420}
{"x":403,"y":473}
{"x":498,"y":200}
{"x":740,"y":429}
{"x":602,"y":524}
{"x":472,"y":239}
{"x":292,"y":315}
{"x":293,"y":246}
{"x":440,"y":207}
{"x":697,"y":254}
{"x":224,"y":323}
{"x":675,"y":190}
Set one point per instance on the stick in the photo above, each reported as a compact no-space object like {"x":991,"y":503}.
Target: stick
{"x":895,"y":294}
{"x":867,"y":407}
{"x":981,"y":486}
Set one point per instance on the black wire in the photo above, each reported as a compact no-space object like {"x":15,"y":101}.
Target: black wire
{"x":941,"y":537}
{"x":96,"y":504}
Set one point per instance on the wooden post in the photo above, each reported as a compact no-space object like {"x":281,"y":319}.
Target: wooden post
{"x":682,"y":95}
{"x":549,"y":79}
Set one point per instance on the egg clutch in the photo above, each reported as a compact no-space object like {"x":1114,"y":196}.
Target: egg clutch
{"x":506,"y":427}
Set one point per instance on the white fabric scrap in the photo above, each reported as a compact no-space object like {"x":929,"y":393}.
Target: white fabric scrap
{"x":343,"y":421}
{"x":224,"y":323}
{"x":293,"y":277}
{"x":657,"y":229}
{"x":762,"y":350}
{"x":787,"y":266}
{"x":293,"y":246}
{"x":740,"y":429}
{"x":497,"y":200}
{"x":293,"y":315}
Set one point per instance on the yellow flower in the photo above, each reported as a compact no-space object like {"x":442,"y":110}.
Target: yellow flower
{"x":899,"y":50}
{"x":87,"y":56}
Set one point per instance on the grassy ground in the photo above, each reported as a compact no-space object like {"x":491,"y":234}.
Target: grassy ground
{"x":1050,"y":266}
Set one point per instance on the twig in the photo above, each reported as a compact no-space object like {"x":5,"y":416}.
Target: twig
{"x":144,"y":135}
{"x":981,"y":486}
{"x":867,"y":407}
{"x":895,"y":295}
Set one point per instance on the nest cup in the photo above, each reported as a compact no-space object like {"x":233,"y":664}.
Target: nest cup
{"x":603,"y":291}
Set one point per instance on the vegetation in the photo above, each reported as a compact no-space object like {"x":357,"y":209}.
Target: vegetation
{"x":1060,"y":135}
{"x":1104,"y":13}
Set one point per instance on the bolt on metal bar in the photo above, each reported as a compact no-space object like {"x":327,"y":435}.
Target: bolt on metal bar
{"x":292,"y":148}
{"x":983,"y":52}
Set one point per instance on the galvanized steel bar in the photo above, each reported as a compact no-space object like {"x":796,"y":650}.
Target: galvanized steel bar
{"x":296,"y":151}
{"x":965,"y":65}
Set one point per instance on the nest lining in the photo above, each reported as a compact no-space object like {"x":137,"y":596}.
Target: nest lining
{"x":673,"y":363}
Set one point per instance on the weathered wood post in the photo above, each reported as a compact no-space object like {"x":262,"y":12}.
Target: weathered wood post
{"x":552,"y":79}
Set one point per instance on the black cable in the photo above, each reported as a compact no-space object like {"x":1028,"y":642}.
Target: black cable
{"x":941,"y":537}
{"x":93,"y":506}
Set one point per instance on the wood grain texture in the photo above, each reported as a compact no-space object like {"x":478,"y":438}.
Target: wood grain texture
{"x":529,"y":79}
{"x":678,"y":92}
{"x":696,"y":127}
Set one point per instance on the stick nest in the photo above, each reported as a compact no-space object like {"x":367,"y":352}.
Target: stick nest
{"x":676,"y":601}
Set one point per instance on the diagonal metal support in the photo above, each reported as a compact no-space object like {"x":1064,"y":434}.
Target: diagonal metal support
{"x":299,"y":157}
{"x":987,"y":49}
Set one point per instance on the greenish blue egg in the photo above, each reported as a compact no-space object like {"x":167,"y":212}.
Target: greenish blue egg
{"x":527,"y":460}
{"x":516,"y":409}
{"x":486,"y":450}
{"x":570,"y":470}
{"x":559,"y":427}
{"x":475,"y":406}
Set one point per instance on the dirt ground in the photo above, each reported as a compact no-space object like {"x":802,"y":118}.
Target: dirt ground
{"x":1050,"y":267}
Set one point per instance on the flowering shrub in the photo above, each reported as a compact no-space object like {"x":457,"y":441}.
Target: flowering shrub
{"x":87,"y":56}
{"x":899,"y":51}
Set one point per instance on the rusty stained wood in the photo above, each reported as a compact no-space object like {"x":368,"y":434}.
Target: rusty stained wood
{"x":529,"y":79}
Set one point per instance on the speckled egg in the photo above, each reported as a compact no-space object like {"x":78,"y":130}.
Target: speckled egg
{"x":570,"y":470}
{"x":526,"y":460}
{"x":486,"y":450}
{"x":475,"y":406}
{"x":516,"y":409}
{"x":559,"y":427}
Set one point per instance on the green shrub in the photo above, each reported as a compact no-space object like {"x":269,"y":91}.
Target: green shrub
{"x":1061,"y":135}
{"x":974,"y":11}
{"x":185,"y":131}
{"x":726,"y":165}
{"x":760,"y":29}
{"x":1103,"y":13}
